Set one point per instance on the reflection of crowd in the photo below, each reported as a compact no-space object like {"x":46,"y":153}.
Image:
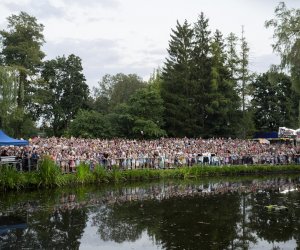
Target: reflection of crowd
{"x":161,"y":153}
{"x":161,"y":192}
{"x":164,"y":191}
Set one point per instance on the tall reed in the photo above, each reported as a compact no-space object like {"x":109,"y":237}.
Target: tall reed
{"x":84,"y":174}
{"x":49,"y":173}
{"x":10,"y":178}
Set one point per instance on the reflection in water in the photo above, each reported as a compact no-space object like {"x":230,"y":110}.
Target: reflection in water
{"x":214,"y":214}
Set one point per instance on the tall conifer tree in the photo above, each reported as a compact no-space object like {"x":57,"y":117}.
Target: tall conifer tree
{"x":201,"y":71}
{"x":176,"y":89}
{"x":223,"y":100}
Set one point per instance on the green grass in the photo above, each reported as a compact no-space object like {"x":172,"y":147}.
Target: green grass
{"x":49,"y":175}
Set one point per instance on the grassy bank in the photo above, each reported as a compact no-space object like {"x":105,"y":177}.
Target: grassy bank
{"x":49,"y":175}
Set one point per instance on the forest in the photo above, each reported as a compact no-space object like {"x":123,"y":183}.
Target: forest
{"x":204,"y":88}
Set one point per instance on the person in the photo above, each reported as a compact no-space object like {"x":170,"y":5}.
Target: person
{"x":4,"y":153}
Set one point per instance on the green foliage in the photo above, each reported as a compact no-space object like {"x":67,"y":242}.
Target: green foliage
{"x":274,"y":103}
{"x":22,"y":56}
{"x":49,"y":173}
{"x":146,"y":108}
{"x":199,"y":86}
{"x":64,"y":91}
{"x":91,"y":124}
{"x":13,"y":119}
{"x":8,"y":95}
{"x":115,"y":90}
{"x":287,"y":41}
{"x":121,"y":120}
{"x":10,"y":178}
{"x":223,"y":101}
{"x":177,"y":88}
{"x":141,"y":117}
{"x":147,"y":129}
{"x":22,"y":42}
{"x":83,"y":174}
{"x":100,"y":174}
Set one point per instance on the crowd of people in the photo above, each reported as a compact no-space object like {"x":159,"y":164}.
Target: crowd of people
{"x":160,"y":153}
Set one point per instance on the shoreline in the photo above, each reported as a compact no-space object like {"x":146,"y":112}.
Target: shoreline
{"x":50,"y":176}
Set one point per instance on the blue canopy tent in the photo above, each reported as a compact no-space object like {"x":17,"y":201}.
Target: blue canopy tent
{"x":5,"y":140}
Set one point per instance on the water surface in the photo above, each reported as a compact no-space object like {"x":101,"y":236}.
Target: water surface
{"x":244,"y":213}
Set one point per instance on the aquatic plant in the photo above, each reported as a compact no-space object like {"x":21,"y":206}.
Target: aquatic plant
{"x":83,"y":174}
{"x":100,"y":174}
{"x":10,"y":178}
{"x":49,"y":173}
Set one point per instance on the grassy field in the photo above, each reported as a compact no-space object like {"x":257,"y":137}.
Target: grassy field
{"x":49,"y":175}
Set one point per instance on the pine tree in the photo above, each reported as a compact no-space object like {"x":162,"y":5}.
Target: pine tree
{"x":232,"y":57}
{"x":176,"y":88}
{"x":223,"y":100}
{"x":201,"y":72}
{"x":244,"y":77}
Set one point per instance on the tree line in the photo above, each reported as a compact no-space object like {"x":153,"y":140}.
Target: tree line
{"x":204,"y":89}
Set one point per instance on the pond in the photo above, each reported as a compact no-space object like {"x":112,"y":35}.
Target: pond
{"x":224,"y":213}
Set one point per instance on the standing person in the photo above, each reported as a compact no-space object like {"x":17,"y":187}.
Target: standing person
{"x":72,"y":162}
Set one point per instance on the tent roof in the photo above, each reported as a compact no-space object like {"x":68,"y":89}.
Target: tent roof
{"x":5,"y":140}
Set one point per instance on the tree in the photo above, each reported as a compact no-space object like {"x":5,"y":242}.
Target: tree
{"x":91,"y":124}
{"x":232,"y":57}
{"x":244,"y":77}
{"x":286,"y":26}
{"x":201,"y":71}
{"x":12,"y":118}
{"x":64,"y":91}
{"x":273,"y":101}
{"x":141,"y":117}
{"x":22,"y":42}
{"x":155,"y":80}
{"x":146,"y":107}
{"x":223,"y":101}
{"x":8,"y":94}
{"x":176,"y":89}
{"x":116,"y":89}
{"x":121,"y":120}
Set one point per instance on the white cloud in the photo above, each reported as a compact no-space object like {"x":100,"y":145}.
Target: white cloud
{"x":132,"y":36}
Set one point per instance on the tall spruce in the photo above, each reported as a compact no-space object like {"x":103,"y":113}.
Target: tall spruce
{"x":223,"y":101}
{"x":201,"y":72}
{"x":244,"y":78}
{"x":244,"y":75}
{"x":232,"y":57}
{"x":176,"y":89}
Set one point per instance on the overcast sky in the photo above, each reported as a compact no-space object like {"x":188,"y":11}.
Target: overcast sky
{"x":131,"y":36}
